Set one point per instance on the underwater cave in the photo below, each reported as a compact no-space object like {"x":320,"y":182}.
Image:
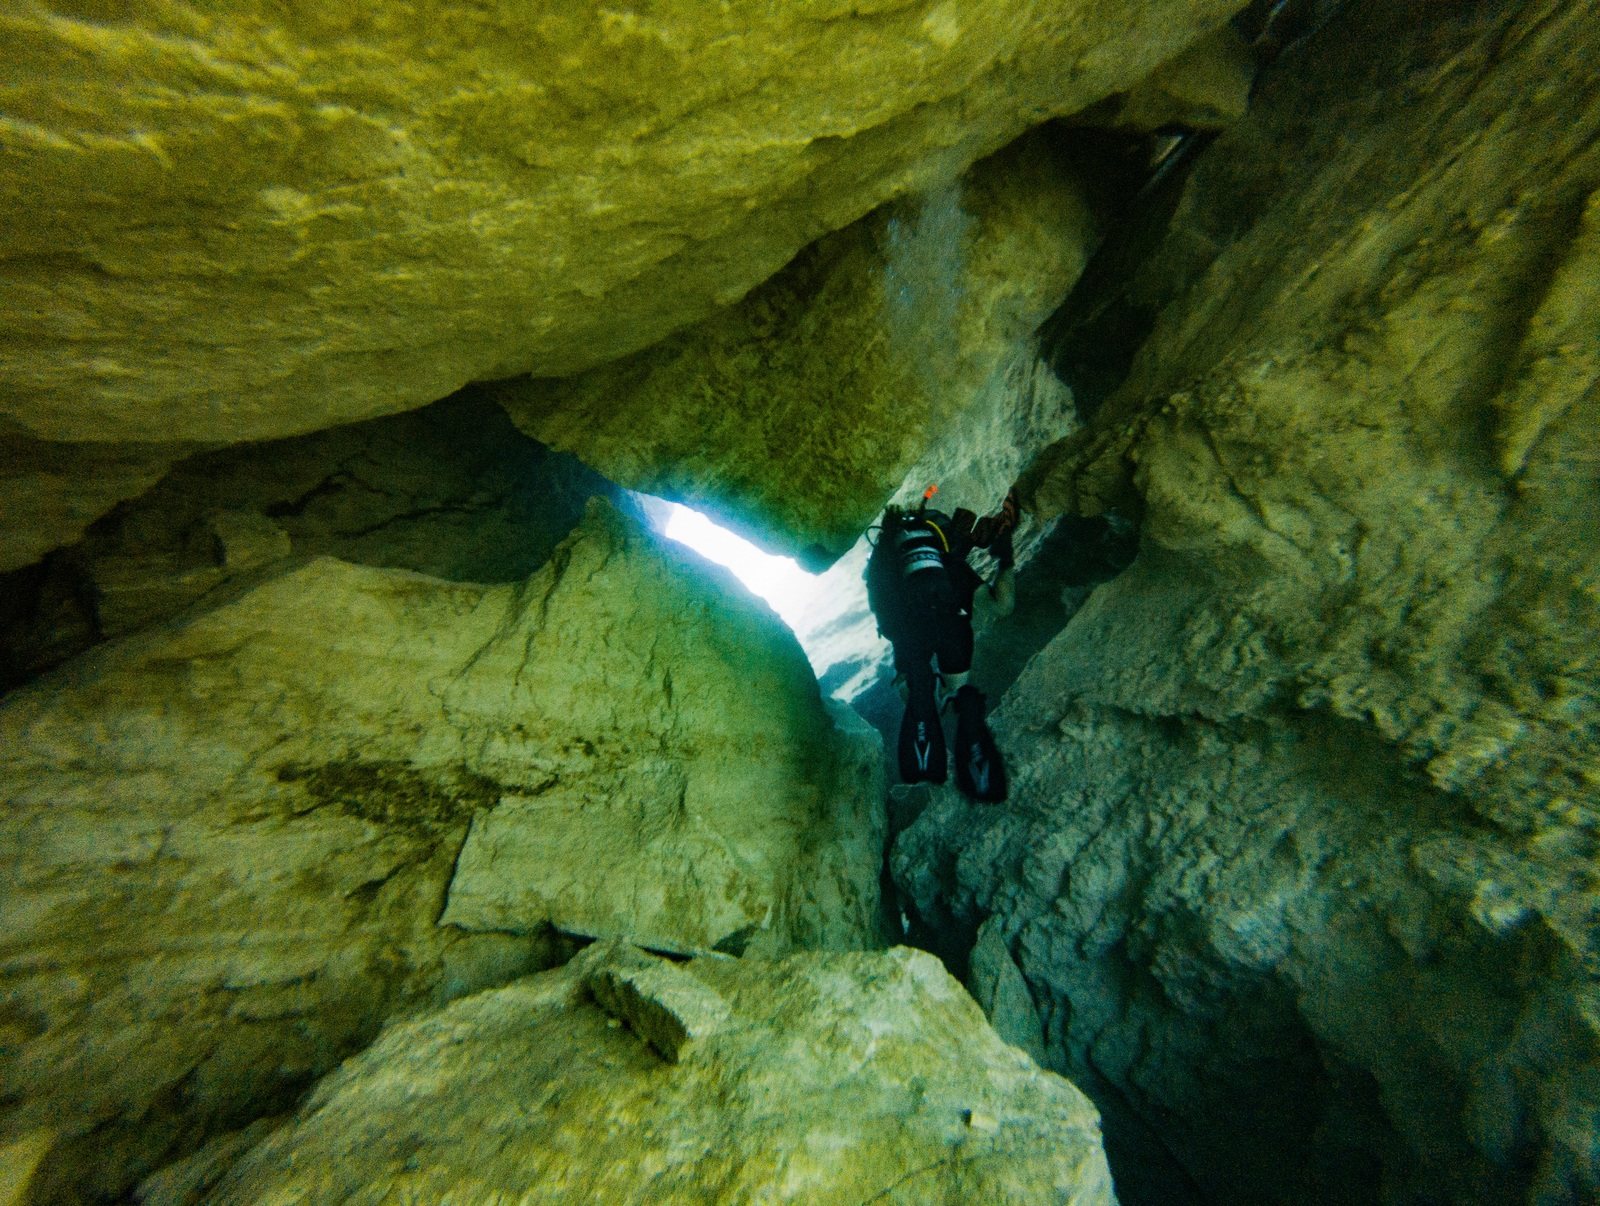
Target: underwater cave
{"x":466,"y":470}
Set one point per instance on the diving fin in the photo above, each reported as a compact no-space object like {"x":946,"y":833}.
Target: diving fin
{"x":923,"y":758}
{"x":980,"y":770}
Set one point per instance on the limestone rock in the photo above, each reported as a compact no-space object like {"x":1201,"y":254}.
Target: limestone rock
{"x":1351,"y":500}
{"x":841,"y":1078}
{"x":229,"y":841}
{"x":187,"y":1182}
{"x":1305,"y":799}
{"x":50,"y":492}
{"x":329,"y":216}
{"x":20,"y":1158}
{"x":1234,"y":927}
{"x":800,"y":411}
{"x":452,"y":490}
{"x":1002,"y":993}
{"x":714,"y":803}
{"x":226,"y":856}
{"x":1205,"y":87}
{"x":247,"y":539}
{"x":668,"y":1008}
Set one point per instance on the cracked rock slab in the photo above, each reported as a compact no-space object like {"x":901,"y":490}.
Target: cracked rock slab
{"x":229,"y":840}
{"x":842,"y":1079}
{"x":667,"y":1007}
{"x":330,"y":214}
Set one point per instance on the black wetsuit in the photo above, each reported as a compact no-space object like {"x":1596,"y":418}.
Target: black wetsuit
{"x":921,"y":590}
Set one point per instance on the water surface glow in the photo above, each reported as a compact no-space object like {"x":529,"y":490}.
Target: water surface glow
{"x":827,"y":612}
{"x":787,"y":588}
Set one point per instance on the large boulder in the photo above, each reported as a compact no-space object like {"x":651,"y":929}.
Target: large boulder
{"x":797,"y":413}
{"x":229,"y":841}
{"x":51,"y":491}
{"x":231,"y":223}
{"x":1305,"y":801}
{"x":452,"y":490}
{"x":817,"y":1079}
{"x":670,"y":772}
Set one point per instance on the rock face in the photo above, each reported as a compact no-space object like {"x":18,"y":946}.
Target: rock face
{"x":50,"y":491}
{"x":757,"y":814}
{"x":229,"y":841}
{"x":1302,"y":835}
{"x":801,"y":410}
{"x":331,"y":216}
{"x":452,"y":490}
{"x":828,"y":1079}
{"x":1205,"y":87}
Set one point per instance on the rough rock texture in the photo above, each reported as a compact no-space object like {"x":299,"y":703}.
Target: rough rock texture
{"x":225,"y":861}
{"x":1205,"y":87}
{"x":1301,"y":850}
{"x":452,"y":490}
{"x":836,"y":1079}
{"x":669,"y":770}
{"x":187,"y":1181}
{"x":797,"y":413}
{"x":50,"y":492}
{"x":330,"y":214}
{"x":228,"y":841}
{"x":1001,"y":992}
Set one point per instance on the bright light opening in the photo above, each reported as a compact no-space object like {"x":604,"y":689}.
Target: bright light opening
{"x":827,"y":612}
{"x":787,"y":588}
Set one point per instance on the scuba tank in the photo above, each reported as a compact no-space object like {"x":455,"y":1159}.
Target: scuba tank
{"x":920,"y":544}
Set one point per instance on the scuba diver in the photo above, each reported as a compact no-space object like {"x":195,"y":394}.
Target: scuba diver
{"x":921,"y":590}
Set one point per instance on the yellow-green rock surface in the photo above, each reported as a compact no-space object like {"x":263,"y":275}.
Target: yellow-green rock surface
{"x":798,"y":412}
{"x":51,"y":491}
{"x":229,"y":841}
{"x":829,"y":1080}
{"x":1205,"y":87}
{"x":451,"y":490}
{"x":669,"y":771}
{"x":1302,"y":841}
{"x":237,"y":221}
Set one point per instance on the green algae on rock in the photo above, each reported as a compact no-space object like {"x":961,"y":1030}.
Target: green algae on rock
{"x":669,"y":772}
{"x":452,"y":490}
{"x":832,"y":1080}
{"x":230,"y":840}
{"x":1306,"y":799}
{"x":244,"y":221}
{"x":797,"y":413}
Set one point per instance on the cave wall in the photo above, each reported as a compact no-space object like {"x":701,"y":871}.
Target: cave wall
{"x":796,"y":413}
{"x":452,"y":490}
{"x":330,"y":213}
{"x":1300,"y":854}
{"x":238,"y":843}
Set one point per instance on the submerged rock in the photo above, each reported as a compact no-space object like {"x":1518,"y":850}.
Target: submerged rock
{"x":452,"y":490}
{"x":801,"y":410}
{"x":1205,"y":87}
{"x":234,"y":223}
{"x":51,"y":491}
{"x":668,"y":770}
{"x":1301,"y":843}
{"x":841,"y":1078}
{"x":229,"y":841}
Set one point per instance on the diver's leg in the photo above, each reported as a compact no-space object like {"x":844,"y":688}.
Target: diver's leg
{"x":922,"y":754}
{"x":980,"y":770}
